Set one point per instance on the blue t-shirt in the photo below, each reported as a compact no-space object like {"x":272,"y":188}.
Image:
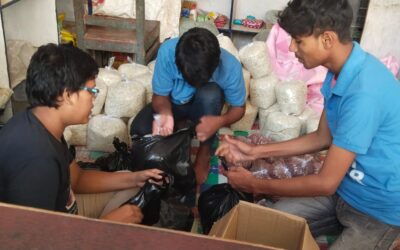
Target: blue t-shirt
{"x":168,"y":80}
{"x":363,"y":113}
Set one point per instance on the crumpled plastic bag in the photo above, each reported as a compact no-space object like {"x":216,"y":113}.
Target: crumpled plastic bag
{"x":170,"y":154}
{"x":118,"y":160}
{"x":149,"y":198}
{"x":218,"y":200}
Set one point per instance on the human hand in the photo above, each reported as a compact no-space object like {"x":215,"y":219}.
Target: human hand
{"x":235,"y":151}
{"x":240,"y":178}
{"x":207,"y":127}
{"x":126,"y":214}
{"x":163,"y":124}
{"x":140,"y":177}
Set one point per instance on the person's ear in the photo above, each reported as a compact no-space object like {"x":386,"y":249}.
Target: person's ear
{"x":328,"y":38}
{"x":67,"y":97}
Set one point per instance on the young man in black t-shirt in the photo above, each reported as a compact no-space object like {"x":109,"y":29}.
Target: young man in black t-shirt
{"x":36,"y":168}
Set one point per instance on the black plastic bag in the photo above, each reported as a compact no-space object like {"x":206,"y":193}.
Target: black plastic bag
{"x":120,"y":159}
{"x":217,"y":201}
{"x":149,"y":198}
{"x":171,"y":154}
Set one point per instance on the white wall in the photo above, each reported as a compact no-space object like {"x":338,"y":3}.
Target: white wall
{"x":381,"y":31}
{"x":242,"y":8}
{"x":31,"y":20}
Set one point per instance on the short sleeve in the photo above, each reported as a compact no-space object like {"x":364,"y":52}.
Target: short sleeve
{"x":162,"y":78}
{"x":35,"y":184}
{"x":235,"y":90}
{"x":357,"y":124}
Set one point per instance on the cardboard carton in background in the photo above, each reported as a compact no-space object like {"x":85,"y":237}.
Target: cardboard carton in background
{"x":261,"y":225}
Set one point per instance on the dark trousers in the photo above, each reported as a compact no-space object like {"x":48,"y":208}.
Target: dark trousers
{"x":207,"y":100}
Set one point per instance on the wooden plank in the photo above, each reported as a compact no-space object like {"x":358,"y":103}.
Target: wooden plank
{"x":28,"y":228}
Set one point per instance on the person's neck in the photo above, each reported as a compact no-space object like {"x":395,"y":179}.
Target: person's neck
{"x":339,"y":56}
{"x":50,"y":119}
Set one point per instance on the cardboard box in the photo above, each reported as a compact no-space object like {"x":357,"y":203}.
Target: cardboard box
{"x":253,"y":223}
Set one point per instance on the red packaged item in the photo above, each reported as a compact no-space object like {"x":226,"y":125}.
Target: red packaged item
{"x":253,"y":23}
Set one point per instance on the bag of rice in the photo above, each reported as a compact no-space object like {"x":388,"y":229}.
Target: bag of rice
{"x":145,"y":81}
{"x":254,"y":57}
{"x":77,"y":134}
{"x":151,"y":65}
{"x":99,"y":101}
{"x":307,"y":114}
{"x":125,"y":99}
{"x":291,"y":97}
{"x":109,"y":75}
{"x":312,"y":124}
{"x":102,"y":130}
{"x":262,"y":91}
{"x":282,"y":127}
{"x":5,"y":95}
{"x":263,"y":115}
{"x":227,"y":44}
{"x":131,"y":70}
{"x":247,"y":121}
{"x":247,"y":78}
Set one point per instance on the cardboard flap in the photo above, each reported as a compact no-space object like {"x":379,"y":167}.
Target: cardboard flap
{"x":253,"y":223}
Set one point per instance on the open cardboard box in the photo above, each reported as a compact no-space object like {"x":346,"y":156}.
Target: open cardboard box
{"x":253,"y":223}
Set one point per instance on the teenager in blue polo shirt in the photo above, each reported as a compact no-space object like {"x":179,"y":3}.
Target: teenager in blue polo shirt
{"x":193,"y":78}
{"x":358,"y":188}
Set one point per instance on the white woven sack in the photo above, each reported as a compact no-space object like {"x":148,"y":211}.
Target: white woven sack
{"x":5,"y":95}
{"x":102,"y":130}
{"x":255,"y":59}
{"x":247,"y":121}
{"x":291,"y":97}
{"x":262,"y":91}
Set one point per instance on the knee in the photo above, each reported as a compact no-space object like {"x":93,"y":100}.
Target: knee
{"x":210,"y":93}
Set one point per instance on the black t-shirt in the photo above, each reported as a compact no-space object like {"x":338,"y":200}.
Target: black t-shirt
{"x":34,"y":166}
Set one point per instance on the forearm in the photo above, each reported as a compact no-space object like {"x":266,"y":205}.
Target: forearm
{"x":92,"y":181}
{"x":162,"y":104}
{"x":309,"y":143}
{"x":233,"y":115}
{"x":302,"y":186}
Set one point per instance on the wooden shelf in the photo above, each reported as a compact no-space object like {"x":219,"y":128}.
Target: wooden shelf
{"x":6,"y":3}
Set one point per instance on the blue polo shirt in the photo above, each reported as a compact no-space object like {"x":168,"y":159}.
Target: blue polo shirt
{"x":363,"y":113}
{"x":168,"y":80}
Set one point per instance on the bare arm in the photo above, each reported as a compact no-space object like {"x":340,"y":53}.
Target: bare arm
{"x":92,"y":181}
{"x":319,"y":140}
{"x":162,"y":104}
{"x":236,"y":151}
{"x":209,"y":125}
{"x":325,"y":183}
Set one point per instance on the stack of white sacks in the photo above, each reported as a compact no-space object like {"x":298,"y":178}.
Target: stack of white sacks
{"x":281,"y":105}
{"x":123,"y":93}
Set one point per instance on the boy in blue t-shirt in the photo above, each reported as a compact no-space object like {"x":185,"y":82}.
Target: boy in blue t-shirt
{"x":358,"y":188}
{"x":193,"y":78}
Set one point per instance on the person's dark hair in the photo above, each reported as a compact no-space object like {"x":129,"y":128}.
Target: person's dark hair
{"x":55,"y":68}
{"x":197,"y":55}
{"x":313,"y":17}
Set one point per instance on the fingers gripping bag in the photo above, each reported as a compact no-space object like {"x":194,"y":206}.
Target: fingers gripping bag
{"x":170,"y":153}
